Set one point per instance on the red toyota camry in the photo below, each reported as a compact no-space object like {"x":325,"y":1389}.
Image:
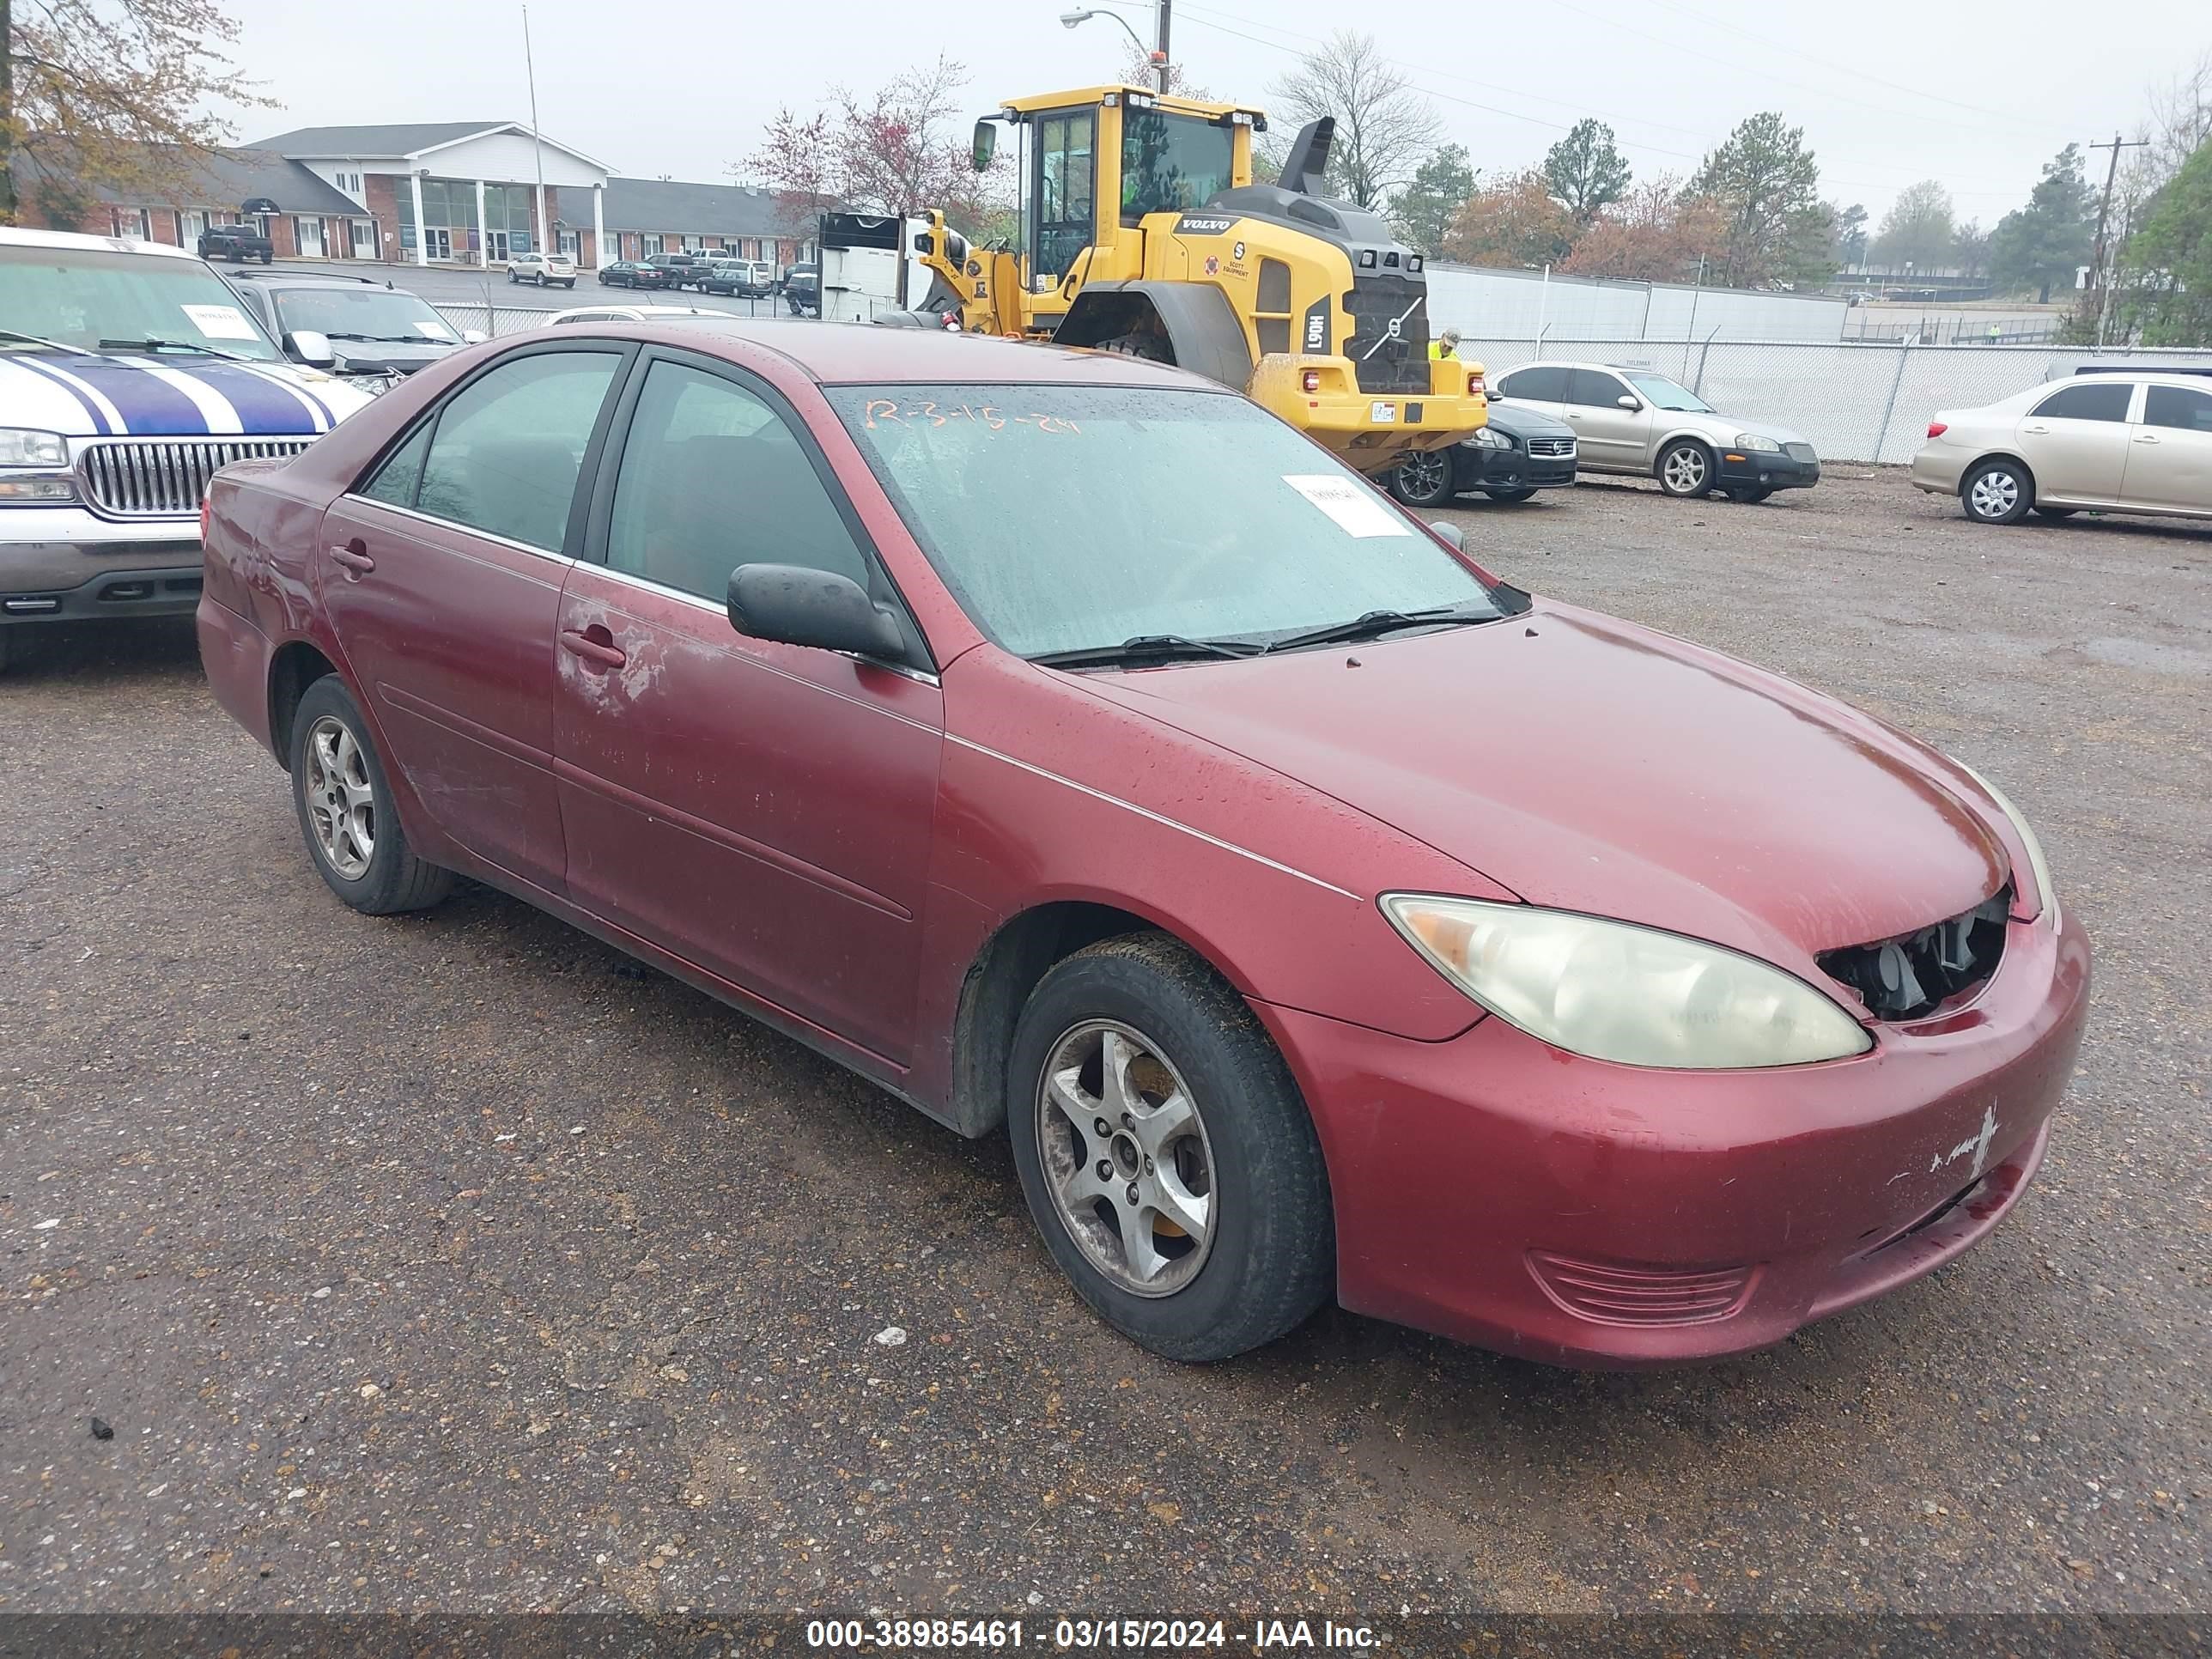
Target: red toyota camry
{"x":1071,"y":748}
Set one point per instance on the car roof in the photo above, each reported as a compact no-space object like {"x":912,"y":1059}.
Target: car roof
{"x":863,"y":354}
{"x":308,"y":279}
{"x":10,"y":237}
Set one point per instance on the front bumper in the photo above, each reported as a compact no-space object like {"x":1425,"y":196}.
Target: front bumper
{"x":62,"y":564}
{"x":1510,"y":469}
{"x":1483,"y":1185}
{"x":1755,"y":469}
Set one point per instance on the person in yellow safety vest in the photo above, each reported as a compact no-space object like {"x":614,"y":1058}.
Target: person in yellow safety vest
{"x":1446,"y":345}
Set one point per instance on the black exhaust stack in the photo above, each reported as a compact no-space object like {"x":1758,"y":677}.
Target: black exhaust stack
{"x":1306,"y":167}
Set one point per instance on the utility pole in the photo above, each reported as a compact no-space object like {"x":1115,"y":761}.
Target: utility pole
{"x":536,"y":148}
{"x":2096,"y":283}
{"x":1160,"y":46}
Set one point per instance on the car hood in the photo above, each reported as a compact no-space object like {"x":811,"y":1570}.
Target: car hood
{"x":1587,"y":763}
{"x":92,"y":394}
{"x":1722,"y":427}
{"x":1526,"y":423}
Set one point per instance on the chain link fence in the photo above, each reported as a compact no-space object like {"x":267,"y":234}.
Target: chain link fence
{"x":1852,"y":401}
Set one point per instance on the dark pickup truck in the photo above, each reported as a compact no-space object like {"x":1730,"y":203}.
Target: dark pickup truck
{"x":235,"y":242}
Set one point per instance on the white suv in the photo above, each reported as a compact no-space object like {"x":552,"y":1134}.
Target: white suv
{"x":541,"y":269}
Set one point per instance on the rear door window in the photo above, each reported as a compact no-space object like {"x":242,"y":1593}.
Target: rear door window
{"x":2179,"y":408}
{"x":1594,"y":388}
{"x":509,"y":445}
{"x":2105,"y":400}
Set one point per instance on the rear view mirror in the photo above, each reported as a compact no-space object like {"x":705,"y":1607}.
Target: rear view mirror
{"x":306,"y":345}
{"x":985,"y":146}
{"x":1629,"y":402}
{"x":794,"y":604}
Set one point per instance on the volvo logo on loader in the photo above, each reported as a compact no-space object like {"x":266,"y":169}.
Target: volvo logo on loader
{"x":1199,"y":224}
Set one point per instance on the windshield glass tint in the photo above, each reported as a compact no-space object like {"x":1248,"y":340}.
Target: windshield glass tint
{"x":1065,"y":517}
{"x":1662,"y":392}
{"x":80,"y":296}
{"x":1170,"y":163}
{"x":369,"y":313}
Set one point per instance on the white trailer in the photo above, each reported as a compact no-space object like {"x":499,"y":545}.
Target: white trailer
{"x":869,"y":266}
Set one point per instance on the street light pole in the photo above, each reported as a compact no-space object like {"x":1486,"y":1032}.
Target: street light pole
{"x":536,"y":150}
{"x":1160,"y":58}
{"x":1159,"y":55}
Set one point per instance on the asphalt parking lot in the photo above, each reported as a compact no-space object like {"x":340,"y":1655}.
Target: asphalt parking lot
{"x":450,"y":1262}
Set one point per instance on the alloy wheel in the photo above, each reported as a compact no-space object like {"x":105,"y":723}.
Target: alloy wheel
{"x":1126,"y":1155}
{"x":1994,"y":495}
{"x":1685,"y":470}
{"x":341,"y":800}
{"x":1422,"y":476}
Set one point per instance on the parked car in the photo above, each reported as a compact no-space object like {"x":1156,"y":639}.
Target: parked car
{"x":237,"y":243}
{"x":744,"y":279}
{"x":129,"y":373}
{"x":680,"y":269}
{"x":1517,"y":453}
{"x":1159,"y":839}
{"x":369,"y":332}
{"x":541,"y":268}
{"x":626,"y":314}
{"x":1633,"y":420}
{"x":632,"y":273}
{"x":802,"y":290}
{"x":2118,"y":439}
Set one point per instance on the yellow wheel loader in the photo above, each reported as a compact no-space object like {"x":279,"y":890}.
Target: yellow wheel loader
{"x":1142,"y":232}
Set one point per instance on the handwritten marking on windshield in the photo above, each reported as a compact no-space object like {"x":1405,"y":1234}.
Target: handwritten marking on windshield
{"x":989,"y":416}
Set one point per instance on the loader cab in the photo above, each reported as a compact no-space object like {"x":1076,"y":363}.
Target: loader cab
{"x":1094,"y":163}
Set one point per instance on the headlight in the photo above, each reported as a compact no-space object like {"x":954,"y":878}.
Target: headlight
{"x":1751,"y":440}
{"x":22,"y":447}
{"x":1613,"y":991}
{"x":35,"y":488}
{"x":2046,"y":894}
{"x":1486,"y":439}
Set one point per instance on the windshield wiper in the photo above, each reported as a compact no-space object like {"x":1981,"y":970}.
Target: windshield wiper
{"x":40,"y":340}
{"x":1146,"y":648}
{"x":154,"y":344}
{"x":1376,"y":623}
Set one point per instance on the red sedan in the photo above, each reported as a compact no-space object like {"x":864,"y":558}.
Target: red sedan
{"x":1068,"y":745}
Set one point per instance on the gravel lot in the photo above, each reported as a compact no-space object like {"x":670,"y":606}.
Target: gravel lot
{"x":451,"y":1263}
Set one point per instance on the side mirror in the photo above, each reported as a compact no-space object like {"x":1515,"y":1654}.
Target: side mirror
{"x":307,"y":346}
{"x":986,"y":145}
{"x":793,"y":605}
{"x":1629,"y":403}
{"x":1450,"y":532}
{"x":473,"y":336}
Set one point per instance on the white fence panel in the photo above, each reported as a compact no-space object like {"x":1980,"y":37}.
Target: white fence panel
{"x":1506,"y":304}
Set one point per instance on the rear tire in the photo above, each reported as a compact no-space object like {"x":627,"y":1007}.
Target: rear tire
{"x":343,"y":800}
{"x":2055,"y":512}
{"x":1424,"y":480}
{"x":1254,"y":1252}
{"x":1508,"y":496}
{"x":1997,"y":492}
{"x":1685,"y":470}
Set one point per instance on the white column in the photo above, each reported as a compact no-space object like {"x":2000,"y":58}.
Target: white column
{"x":421,"y":231}
{"x":598,"y":225}
{"x":542,"y":240}
{"x":484,"y":230}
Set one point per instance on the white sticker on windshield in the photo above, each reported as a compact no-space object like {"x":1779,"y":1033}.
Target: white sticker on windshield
{"x":1355,"y":511}
{"x":435,"y":331}
{"x":220,"y":323}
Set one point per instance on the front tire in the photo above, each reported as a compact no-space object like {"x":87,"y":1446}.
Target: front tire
{"x":1997,"y":492}
{"x":1749,"y":496}
{"x":1165,"y":1153}
{"x":2055,"y":513}
{"x":1685,"y":470}
{"x":344,"y":800}
{"x":1424,"y":479}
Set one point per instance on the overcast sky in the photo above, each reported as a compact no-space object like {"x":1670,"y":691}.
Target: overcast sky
{"x":1978,"y":94}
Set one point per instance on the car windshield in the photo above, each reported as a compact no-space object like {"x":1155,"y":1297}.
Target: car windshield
{"x":1658,"y":390}
{"x":1067,"y":518}
{"x":80,"y":296}
{"x":366,"y":312}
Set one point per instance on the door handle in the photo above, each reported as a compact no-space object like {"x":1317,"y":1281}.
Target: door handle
{"x":605,"y":653}
{"x":354,"y":556}
{"x":2035,"y":429}
{"x":2146,"y":437}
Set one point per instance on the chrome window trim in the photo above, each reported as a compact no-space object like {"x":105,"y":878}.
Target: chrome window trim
{"x":421,"y":517}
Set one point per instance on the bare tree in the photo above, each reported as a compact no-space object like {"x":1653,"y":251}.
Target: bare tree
{"x":111,"y":95}
{"x":1383,"y":126}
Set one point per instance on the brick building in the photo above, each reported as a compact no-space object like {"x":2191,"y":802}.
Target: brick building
{"x":313,"y":219}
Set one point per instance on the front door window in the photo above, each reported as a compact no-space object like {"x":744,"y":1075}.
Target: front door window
{"x":1063,"y":190}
